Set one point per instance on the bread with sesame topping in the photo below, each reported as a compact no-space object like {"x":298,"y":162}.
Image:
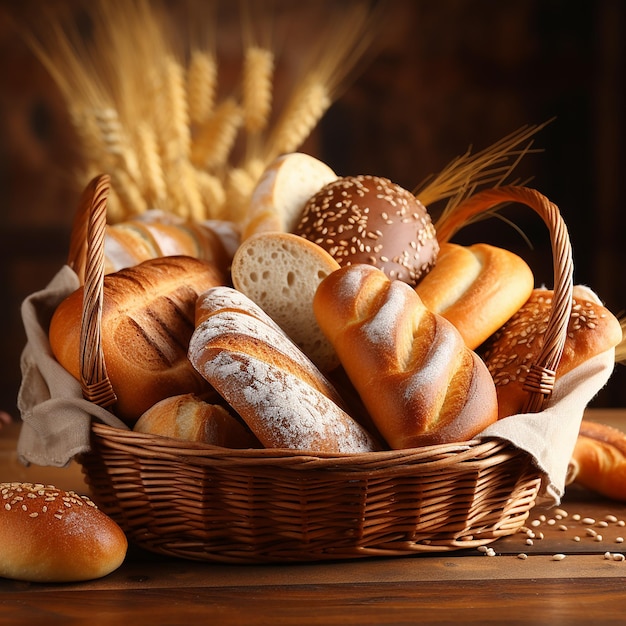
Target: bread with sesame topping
{"x":280,"y":272}
{"x":509,"y":353}
{"x":369,"y":219}
{"x":599,"y":460}
{"x":477,"y":288}
{"x":51,"y":535}
{"x":280,"y":394}
{"x":416,"y":377}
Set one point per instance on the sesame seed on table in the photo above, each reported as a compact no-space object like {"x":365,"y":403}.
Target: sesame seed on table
{"x":567,"y":564}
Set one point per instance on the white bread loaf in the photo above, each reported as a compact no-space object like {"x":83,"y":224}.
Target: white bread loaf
{"x":147,"y":320}
{"x":510,"y":352}
{"x":190,"y":418}
{"x":263,"y":375}
{"x":477,"y":288}
{"x":51,"y":535}
{"x":280,"y":272}
{"x":282,"y":191}
{"x":415,"y":375}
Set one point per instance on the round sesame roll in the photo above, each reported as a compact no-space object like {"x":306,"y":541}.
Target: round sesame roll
{"x":510,"y":352}
{"x":371,"y":220}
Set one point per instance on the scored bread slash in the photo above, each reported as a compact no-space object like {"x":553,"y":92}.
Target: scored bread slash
{"x":282,"y":191}
{"x":280,"y":272}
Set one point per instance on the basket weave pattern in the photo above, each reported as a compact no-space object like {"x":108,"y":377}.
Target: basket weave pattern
{"x":202,"y":502}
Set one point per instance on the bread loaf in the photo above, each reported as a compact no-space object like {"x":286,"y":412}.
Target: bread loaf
{"x":50,"y":535}
{"x":477,"y":288}
{"x":599,"y":460}
{"x":279,"y":197}
{"x":147,"y":320}
{"x":417,"y":378}
{"x":190,"y":418}
{"x":510,"y":352}
{"x":369,"y":219}
{"x":281,"y":272}
{"x":263,"y":375}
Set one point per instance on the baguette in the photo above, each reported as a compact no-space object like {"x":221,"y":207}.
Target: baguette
{"x":415,"y":375}
{"x":284,"y":399}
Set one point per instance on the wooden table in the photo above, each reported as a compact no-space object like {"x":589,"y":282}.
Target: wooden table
{"x":468,"y":587}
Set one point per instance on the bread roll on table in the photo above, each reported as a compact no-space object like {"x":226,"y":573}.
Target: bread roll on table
{"x":419,"y":381}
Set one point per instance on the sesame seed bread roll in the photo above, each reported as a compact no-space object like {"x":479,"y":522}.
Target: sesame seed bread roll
{"x":190,"y":418}
{"x":418,"y":380}
{"x":53,"y":536}
{"x":369,"y":219}
{"x":281,"y":272}
{"x":510,"y":352}
{"x":282,"y":191}
{"x":148,"y":317}
{"x":283,"y":398}
{"x":599,"y":460}
{"x":477,"y":288}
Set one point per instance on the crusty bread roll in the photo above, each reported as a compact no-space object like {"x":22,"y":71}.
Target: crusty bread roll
{"x":509,"y":353}
{"x":147,"y":320}
{"x":599,"y":460}
{"x":281,"y":272}
{"x":264,"y":376}
{"x":419,"y":381}
{"x":154,"y":235}
{"x":282,"y":191}
{"x":190,"y":418}
{"x":369,"y":219}
{"x":51,"y":535}
{"x":477,"y":288}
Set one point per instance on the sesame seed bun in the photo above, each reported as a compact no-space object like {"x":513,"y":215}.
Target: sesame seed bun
{"x":369,"y":219}
{"x":51,"y":535}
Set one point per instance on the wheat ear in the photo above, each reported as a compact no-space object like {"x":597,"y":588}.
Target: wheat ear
{"x":257,"y":88}
{"x":213,"y":194}
{"x":201,"y":85}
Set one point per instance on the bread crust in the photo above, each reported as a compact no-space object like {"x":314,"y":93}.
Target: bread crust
{"x":417,"y":378}
{"x":477,"y":288}
{"x":51,"y":535}
{"x":147,"y":320}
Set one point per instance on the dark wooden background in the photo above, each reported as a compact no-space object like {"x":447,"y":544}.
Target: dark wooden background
{"x":449,"y":74}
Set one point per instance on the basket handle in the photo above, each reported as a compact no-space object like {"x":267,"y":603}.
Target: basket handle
{"x":87,"y":259}
{"x":542,"y":374}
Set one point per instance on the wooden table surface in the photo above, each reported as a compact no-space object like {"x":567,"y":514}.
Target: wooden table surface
{"x":465,"y":587}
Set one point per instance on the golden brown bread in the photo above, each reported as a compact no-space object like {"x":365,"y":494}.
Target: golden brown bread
{"x":599,"y":460}
{"x":147,"y":320}
{"x":51,"y":535}
{"x":190,"y":418}
{"x":271,"y":384}
{"x":509,"y":353}
{"x":477,"y":288}
{"x":369,"y":219}
{"x":415,"y":375}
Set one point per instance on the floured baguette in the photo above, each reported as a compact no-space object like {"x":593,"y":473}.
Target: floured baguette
{"x":599,"y":460}
{"x":282,"y":191}
{"x":419,"y":381}
{"x":271,"y":384}
{"x":509,"y":353}
{"x":280,"y":272}
{"x":477,"y":288}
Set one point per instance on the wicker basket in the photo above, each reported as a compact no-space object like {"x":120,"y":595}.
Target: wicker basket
{"x":256,"y":506}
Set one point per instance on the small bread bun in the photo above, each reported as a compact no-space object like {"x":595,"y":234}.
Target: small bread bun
{"x":477,"y":288}
{"x":369,"y":219}
{"x":510,"y":352}
{"x":51,"y":535}
{"x":284,"y":187}
{"x":190,"y":418}
{"x":599,"y":460}
{"x":280,"y":272}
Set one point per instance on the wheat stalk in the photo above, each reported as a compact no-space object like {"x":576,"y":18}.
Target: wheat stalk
{"x":201,"y":85}
{"x":257,"y":88}
{"x":154,"y":187}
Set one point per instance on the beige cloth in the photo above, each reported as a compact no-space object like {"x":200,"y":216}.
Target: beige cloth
{"x":56,"y":419}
